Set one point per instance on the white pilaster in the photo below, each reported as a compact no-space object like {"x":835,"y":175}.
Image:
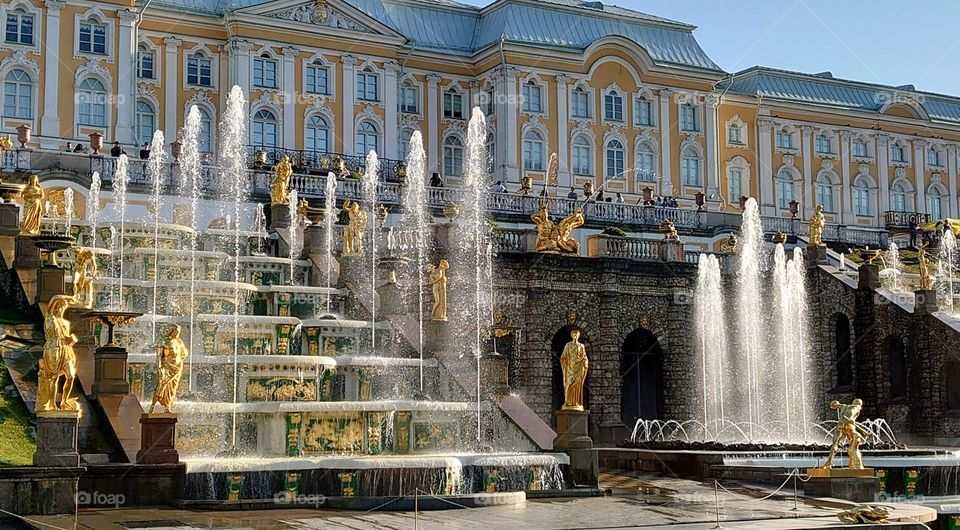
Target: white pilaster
{"x":564,"y":178}
{"x":392,"y":123}
{"x":510,"y":98}
{"x":289,"y":98}
{"x":765,"y":171}
{"x":349,"y":93}
{"x":920,"y":182}
{"x":666,"y":158}
{"x":171,"y":87}
{"x":806,"y":145}
{"x":710,"y":103}
{"x":240,"y":74}
{"x":433,"y":134}
{"x":127,"y":77}
{"x":883,"y":171}
{"x":952,"y":176}
{"x":847,"y":213}
{"x":50,"y":121}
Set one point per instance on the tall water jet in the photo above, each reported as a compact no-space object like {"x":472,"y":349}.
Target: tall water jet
{"x":93,"y":206}
{"x":233,"y":156}
{"x":190,"y":172}
{"x":797,"y":334}
{"x":946,"y":261}
{"x":781,"y":394}
{"x":329,"y":215}
{"x":259,"y":225}
{"x":155,"y":174}
{"x":68,"y":211}
{"x":892,"y":274}
{"x":369,"y":184}
{"x":120,"y":178}
{"x":294,"y":234}
{"x":709,"y":311}
{"x":749,"y":326}
{"x":417,"y":215}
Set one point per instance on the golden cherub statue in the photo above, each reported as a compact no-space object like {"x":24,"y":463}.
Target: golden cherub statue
{"x":438,"y":280}
{"x":171,"y":353}
{"x":574,"y":363}
{"x":847,"y":428}
{"x":85,"y":271}
{"x":729,"y":244}
{"x":565,"y":241}
{"x":280,"y":188}
{"x":546,"y":229}
{"x":303,"y":208}
{"x":926,"y":281}
{"x":669,"y":230}
{"x":33,"y":198}
{"x":817,"y":223}
{"x":354,"y":231}
{"x":59,"y":359}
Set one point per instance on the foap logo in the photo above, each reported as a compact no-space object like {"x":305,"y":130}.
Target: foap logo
{"x":896,"y":496}
{"x":299,"y":499}
{"x":495,"y":499}
{"x":96,"y":498}
{"x":885,"y":99}
{"x":682,"y":298}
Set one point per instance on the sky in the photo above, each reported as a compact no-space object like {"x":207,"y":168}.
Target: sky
{"x":881,"y":41}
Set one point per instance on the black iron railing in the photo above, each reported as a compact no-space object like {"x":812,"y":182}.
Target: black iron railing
{"x":321,"y":162}
{"x":895,"y":219}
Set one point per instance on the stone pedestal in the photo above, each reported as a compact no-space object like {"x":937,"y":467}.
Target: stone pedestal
{"x":925,"y":302}
{"x":110,"y":371}
{"x":51,"y":281}
{"x":435,"y":333}
{"x":279,"y":216}
{"x":495,"y":374}
{"x":314,"y":239}
{"x":391,"y":300}
{"x":57,"y":439}
{"x":869,"y":278}
{"x":857,"y":485}
{"x":9,"y":219}
{"x":816,"y":255}
{"x":27,"y":254}
{"x":572,"y":438}
{"x":158,"y":439}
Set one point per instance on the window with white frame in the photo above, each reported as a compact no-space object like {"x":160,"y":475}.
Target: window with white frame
{"x":532,"y":97}
{"x":898,"y":153}
{"x":582,"y":156}
{"x":199,"y":71}
{"x":825,"y":193}
{"x":616,"y":159}
{"x":146,"y":122}
{"x":487,"y":102}
{"x":580,"y":103}
{"x":898,"y":197}
{"x":453,"y":105}
{"x":316,"y":136}
{"x":859,"y":148}
{"x":643,"y":112}
{"x":690,"y":167}
{"x":404,"y":143}
{"x":19,"y":28}
{"x":18,"y":95}
{"x":145,"y":63}
{"x":689,"y":118}
{"x":409,"y":98}
{"x":784,"y":188}
{"x":823,"y":145}
{"x":205,"y":138}
{"x":368,"y":88}
{"x":367,"y":139}
{"x":735,"y":182}
{"x":613,"y":106}
{"x":93,"y":37}
{"x":646,"y":159}
{"x":532,"y":151}
{"x":784,"y":139}
{"x":317,"y":78}
{"x":265,"y":129}
{"x":491,"y":146}
{"x":91,"y":103}
{"x":452,"y":157}
{"x":733,"y":134}
{"x":935,"y":203}
{"x":933,"y":158}
{"x":861,"y":196}
{"x":264,"y":72}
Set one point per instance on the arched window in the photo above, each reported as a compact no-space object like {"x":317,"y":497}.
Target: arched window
{"x":91,"y":103}
{"x":784,"y":188}
{"x":404,"y":147}
{"x":491,"y":145}
{"x":145,"y":63}
{"x":646,"y":172}
{"x":935,"y":203}
{"x":861,"y":196}
{"x":533,"y":151}
{"x":199,"y":70}
{"x":452,"y":157}
{"x":898,"y":197}
{"x":368,"y":139}
{"x":264,"y":129}
{"x":409,"y":98}
{"x":613,"y":106}
{"x":146,"y":122}
{"x":18,"y":95}
{"x":897,"y":365}
{"x":825,"y":193}
{"x":616,"y":156}
{"x":843,"y":360}
{"x":532,"y":97}
{"x":690,"y":167}
{"x":205,"y":138}
{"x":317,"y":135}
{"x":582,"y":156}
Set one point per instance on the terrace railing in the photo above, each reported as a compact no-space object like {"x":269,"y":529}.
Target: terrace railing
{"x":321,"y":162}
{"x":894,"y":219}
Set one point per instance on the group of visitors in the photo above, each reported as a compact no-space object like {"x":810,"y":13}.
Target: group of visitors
{"x":660,"y":201}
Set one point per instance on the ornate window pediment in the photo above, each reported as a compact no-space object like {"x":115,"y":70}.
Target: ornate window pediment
{"x":320,"y":13}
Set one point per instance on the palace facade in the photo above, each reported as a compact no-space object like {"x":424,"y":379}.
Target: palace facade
{"x":621,"y":96}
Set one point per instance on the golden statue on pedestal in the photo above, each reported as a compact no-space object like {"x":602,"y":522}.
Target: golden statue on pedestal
{"x":729,"y":244}
{"x":926,"y":281}
{"x":565,"y":241}
{"x":574,"y":364}
{"x":85,"y":271}
{"x":438,"y":279}
{"x":33,"y":197}
{"x":553,"y":237}
{"x":354,"y":232}
{"x":171,"y":353}
{"x":847,"y":428}
{"x":59,"y":359}
{"x":546,"y":229}
{"x":817,"y":223}
{"x":280,"y":188}
{"x":669,"y":230}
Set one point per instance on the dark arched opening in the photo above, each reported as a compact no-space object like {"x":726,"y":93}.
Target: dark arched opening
{"x":560,"y":339}
{"x":897,"y":366}
{"x":641,"y":373}
{"x":843,"y":360}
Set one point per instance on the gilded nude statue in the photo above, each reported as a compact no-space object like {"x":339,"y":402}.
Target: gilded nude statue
{"x":85,"y":271}
{"x":574,"y":363}
{"x":171,"y":354}
{"x":438,"y":280}
{"x":280,"y":187}
{"x":58,"y":361}
{"x":33,"y":197}
{"x":817,"y":223}
{"x":847,"y":428}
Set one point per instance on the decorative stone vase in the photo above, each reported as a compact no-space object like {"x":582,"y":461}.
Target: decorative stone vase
{"x":23,"y":135}
{"x":175,"y":149}
{"x":96,"y":142}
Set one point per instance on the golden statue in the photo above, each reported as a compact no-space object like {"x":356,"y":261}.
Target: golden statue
{"x":730,"y":244}
{"x":847,"y":427}
{"x":280,"y":188}
{"x":546,"y":229}
{"x":33,"y":197}
{"x":926,"y":281}
{"x":565,"y":242}
{"x":817,"y":223}
{"x":438,"y":279}
{"x":85,"y":271}
{"x":303,"y":209}
{"x":865,"y":514}
{"x":574,"y":363}
{"x":354,"y":231}
{"x":59,"y":359}
{"x":171,"y":353}
{"x":553,"y":170}
{"x":669,"y":230}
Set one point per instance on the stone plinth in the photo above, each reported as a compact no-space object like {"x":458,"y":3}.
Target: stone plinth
{"x":495,"y":373}
{"x":572,"y":438}
{"x":314,"y":239}
{"x":9,"y":219}
{"x":51,"y":281}
{"x":391,"y":299}
{"x":158,"y":439}
{"x":27,"y":254}
{"x":869,"y":278}
{"x":110,"y":371}
{"x":816,"y":255}
{"x":857,"y":485}
{"x":57,"y":439}
{"x":279,"y":216}
{"x":435,"y":334}
{"x":925,"y":302}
